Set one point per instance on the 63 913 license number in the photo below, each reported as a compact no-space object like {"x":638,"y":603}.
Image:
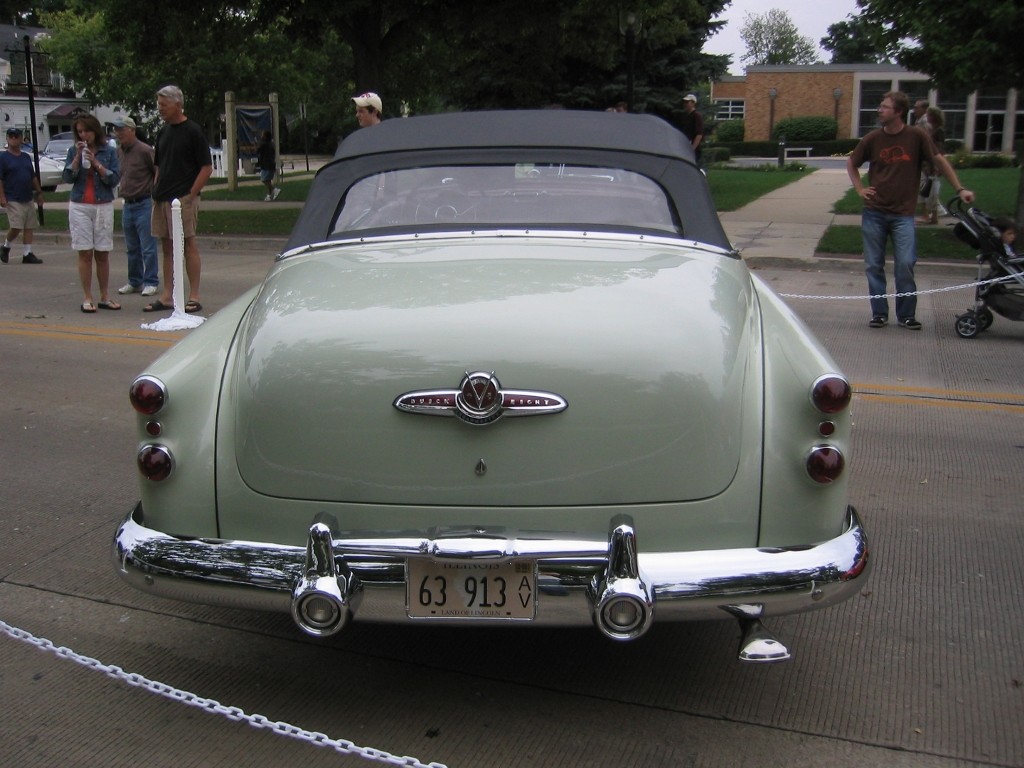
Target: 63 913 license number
{"x":438,"y":589}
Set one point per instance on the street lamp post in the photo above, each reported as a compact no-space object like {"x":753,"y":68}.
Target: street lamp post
{"x":630,"y":33}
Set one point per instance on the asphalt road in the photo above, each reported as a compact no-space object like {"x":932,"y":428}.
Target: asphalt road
{"x":924,"y":668}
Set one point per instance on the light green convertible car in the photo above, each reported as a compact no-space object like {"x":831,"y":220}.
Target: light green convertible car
{"x":508,"y":370}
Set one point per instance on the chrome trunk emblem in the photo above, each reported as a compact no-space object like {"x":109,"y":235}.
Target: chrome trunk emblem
{"x":480,"y":400}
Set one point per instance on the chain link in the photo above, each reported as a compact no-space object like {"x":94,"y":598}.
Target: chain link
{"x":1003,"y":279}
{"x":214,"y":707}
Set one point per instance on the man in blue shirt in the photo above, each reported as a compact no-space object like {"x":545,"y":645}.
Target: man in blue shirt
{"x":19,"y":186}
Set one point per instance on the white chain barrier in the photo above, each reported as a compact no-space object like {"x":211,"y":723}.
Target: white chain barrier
{"x":214,"y":707}
{"x":1003,"y":279}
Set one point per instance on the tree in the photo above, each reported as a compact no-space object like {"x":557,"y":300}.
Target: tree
{"x":855,"y":41}
{"x":772,"y":38}
{"x":966,"y":45}
{"x":428,"y":55}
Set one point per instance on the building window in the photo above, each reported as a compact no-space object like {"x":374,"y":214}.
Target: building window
{"x":989,"y":119}
{"x":871,"y":94}
{"x":954,"y":111}
{"x":729,"y":109}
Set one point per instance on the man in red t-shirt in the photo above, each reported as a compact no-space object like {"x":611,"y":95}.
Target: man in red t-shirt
{"x":895,"y":152}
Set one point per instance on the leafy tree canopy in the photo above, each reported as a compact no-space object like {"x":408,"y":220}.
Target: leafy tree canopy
{"x":855,"y":41}
{"x":420,"y":55}
{"x":772,"y":38}
{"x":967,"y":44}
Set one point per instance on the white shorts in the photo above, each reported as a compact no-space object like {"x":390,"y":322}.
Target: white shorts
{"x":91,"y":226}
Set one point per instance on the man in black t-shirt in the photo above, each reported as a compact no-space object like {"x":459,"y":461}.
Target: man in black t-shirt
{"x":183,"y":166}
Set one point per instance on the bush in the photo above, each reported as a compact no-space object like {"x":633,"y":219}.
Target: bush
{"x":964,"y":159}
{"x":730,"y":130}
{"x":716,"y":154}
{"x":771,"y":148}
{"x":805,"y":129}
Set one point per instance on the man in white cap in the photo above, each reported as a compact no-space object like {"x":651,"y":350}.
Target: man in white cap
{"x":137,"y":174}
{"x":368,"y":109}
{"x":692,"y":124}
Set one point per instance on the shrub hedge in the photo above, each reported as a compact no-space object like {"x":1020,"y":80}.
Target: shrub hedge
{"x":730,"y":131}
{"x":806,"y":129}
{"x":771,"y":148}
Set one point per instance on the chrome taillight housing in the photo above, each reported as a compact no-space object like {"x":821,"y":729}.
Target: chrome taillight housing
{"x":148,"y":395}
{"x":831,"y":393}
{"x":825,"y":464}
{"x":155,"y":462}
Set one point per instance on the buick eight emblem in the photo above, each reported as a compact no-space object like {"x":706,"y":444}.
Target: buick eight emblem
{"x":479,"y":400}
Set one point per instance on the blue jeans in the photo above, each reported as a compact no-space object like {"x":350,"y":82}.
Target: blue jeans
{"x":876,"y":228}
{"x":140,"y":244}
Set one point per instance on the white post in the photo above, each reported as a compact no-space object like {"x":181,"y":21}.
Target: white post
{"x":179,"y":319}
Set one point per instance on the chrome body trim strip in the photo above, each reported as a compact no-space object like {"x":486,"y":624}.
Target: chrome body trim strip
{"x":685,"y":585}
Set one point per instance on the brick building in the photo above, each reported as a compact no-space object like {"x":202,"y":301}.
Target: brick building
{"x":986,"y":120}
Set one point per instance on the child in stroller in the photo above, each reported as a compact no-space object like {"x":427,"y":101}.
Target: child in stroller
{"x":1000,"y":269}
{"x":1008,"y":234}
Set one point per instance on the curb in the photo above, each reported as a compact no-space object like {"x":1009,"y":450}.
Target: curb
{"x":208,"y":242}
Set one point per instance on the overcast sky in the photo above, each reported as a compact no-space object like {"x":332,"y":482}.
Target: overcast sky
{"x":811,"y":17}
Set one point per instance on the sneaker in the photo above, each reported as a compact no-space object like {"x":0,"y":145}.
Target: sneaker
{"x":277,"y":191}
{"x":31,"y":258}
{"x":5,"y":253}
{"x":909,"y":323}
{"x":267,"y":199}
{"x":149,"y":290}
{"x":127,"y":288}
{"x":878,"y":321}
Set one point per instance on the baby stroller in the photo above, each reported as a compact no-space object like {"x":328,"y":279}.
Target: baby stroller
{"x":1005,"y":297}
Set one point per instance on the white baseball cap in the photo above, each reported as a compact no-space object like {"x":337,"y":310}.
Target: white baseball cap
{"x":369,"y":99}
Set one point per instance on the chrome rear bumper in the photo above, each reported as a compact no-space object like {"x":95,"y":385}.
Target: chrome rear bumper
{"x":577,"y":579}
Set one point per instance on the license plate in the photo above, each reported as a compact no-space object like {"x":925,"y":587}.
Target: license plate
{"x":449,"y":589}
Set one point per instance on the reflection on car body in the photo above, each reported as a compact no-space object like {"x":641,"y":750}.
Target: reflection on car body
{"x":684,"y":454}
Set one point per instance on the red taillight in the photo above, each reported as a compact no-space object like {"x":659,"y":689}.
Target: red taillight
{"x":155,"y":462}
{"x":148,"y":395}
{"x":831,"y":393}
{"x":825,"y":464}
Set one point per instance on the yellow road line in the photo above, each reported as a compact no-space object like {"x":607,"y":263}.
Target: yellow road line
{"x":866,"y":388}
{"x":85,"y":333}
{"x":972,"y":405}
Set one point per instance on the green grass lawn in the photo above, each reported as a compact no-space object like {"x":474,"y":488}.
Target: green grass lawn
{"x":732,"y":188}
{"x":995,"y":191}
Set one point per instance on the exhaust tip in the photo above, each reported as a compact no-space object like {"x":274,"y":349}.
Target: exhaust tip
{"x":623,"y":617}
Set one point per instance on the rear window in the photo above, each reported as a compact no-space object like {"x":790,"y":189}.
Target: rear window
{"x":519,"y":195}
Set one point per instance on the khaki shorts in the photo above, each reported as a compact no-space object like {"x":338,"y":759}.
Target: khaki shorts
{"x":22,"y":215}
{"x":161,"y":220}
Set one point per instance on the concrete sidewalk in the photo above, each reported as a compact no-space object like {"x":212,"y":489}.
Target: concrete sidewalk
{"x":789,"y":222}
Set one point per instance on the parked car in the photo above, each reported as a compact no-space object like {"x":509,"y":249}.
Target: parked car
{"x":58,"y":145}
{"x":50,"y":172}
{"x":507,"y":370}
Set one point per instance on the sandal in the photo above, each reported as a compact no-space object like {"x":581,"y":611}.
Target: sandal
{"x":191,"y":307}
{"x":88,"y":307}
{"x":108,"y":304}
{"x":157,"y":306}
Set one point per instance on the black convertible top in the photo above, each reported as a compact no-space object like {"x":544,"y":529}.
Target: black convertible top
{"x":642,"y":143}
{"x":524,"y":128}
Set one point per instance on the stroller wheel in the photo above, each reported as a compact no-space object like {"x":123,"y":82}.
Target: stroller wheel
{"x":984,"y":318}
{"x":967,"y":325}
